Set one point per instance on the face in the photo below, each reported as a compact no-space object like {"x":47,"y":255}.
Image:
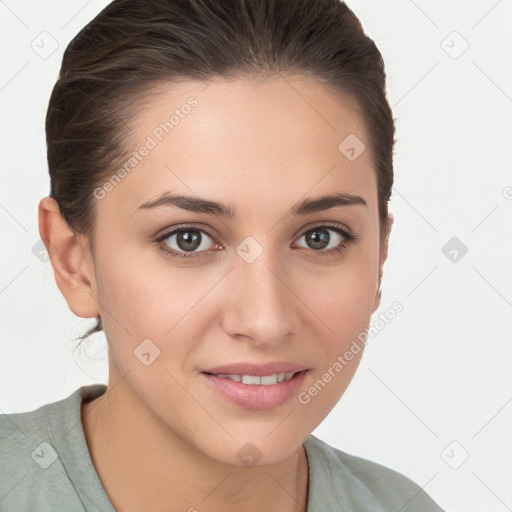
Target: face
{"x":248,"y":267}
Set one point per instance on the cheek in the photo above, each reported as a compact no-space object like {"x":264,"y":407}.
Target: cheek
{"x":345,"y":305}
{"x":136,"y":304}
{"x":344,"y":294}
{"x":343,"y":298}
{"x":143,"y":298}
{"x":127,"y":294}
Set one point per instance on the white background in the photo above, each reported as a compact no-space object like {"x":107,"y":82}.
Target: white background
{"x":441,"y":370}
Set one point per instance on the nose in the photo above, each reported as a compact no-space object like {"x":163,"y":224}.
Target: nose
{"x":261,"y":306}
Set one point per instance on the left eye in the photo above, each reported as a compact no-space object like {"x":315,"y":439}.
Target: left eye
{"x":189,"y":240}
{"x":321,"y":238}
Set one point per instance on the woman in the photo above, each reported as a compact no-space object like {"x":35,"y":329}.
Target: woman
{"x":220,"y":177}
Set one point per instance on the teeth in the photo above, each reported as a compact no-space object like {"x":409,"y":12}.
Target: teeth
{"x":266,"y":380}
{"x":251,"y":379}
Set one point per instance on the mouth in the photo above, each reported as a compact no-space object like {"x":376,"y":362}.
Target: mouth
{"x":248,"y":369}
{"x":264,"y":380}
{"x":256,"y":391}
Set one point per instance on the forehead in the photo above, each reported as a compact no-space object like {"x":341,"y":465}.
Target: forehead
{"x":271,"y":139}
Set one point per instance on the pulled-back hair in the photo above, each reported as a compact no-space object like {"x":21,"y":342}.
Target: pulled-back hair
{"x":132,"y":46}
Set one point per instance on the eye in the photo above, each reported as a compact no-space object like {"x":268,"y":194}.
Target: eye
{"x":186,"y":240}
{"x":323,"y":238}
{"x":189,"y":242}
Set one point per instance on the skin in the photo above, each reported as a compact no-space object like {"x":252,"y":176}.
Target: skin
{"x":160,"y":439}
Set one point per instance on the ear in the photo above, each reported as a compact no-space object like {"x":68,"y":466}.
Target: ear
{"x":383,"y":255}
{"x":69,"y":256}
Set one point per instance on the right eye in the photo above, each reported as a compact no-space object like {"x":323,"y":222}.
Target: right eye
{"x":184,"y":241}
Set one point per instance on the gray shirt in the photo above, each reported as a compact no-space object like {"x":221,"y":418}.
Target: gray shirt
{"x":45,"y":466}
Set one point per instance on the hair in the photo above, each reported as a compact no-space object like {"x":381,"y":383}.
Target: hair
{"x":133,"y":46}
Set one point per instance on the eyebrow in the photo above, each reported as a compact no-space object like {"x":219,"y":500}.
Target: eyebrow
{"x":199,"y":205}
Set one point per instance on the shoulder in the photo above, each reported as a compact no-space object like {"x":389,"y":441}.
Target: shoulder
{"x":363,"y":484}
{"x":34,"y":450}
{"x":21,"y":433}
{"x":49,"y":422}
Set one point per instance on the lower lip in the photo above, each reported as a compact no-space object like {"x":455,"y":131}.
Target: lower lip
{"x":257,"y":396}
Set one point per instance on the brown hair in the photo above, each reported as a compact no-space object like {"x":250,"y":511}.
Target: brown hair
{"x":131,"y":46}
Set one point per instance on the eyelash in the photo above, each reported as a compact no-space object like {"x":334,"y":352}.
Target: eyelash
{"x":349,"y":238}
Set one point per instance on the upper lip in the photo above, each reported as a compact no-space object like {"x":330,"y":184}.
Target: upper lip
{"x":259,"y":370}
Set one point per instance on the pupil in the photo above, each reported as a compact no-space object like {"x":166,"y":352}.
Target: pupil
{"x":188,"y":240}
{"x":318,"y":239}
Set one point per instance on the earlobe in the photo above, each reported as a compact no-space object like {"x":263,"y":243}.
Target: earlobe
{"x":69,"y":259}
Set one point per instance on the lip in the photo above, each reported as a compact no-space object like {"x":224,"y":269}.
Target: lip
{"x":256,"y":396}
{"x":259,"y":370}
